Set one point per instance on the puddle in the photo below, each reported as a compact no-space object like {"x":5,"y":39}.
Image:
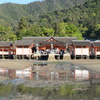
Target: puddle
{"x":22,"y":73}
{"x":52,"y":71}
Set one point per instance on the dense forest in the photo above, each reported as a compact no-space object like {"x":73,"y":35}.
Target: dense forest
{"x":78,"y":18}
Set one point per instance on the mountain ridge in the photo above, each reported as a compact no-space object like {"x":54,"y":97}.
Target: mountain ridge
{"x":51,"y":18}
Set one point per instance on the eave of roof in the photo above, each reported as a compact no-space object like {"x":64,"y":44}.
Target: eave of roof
{"x":81,"y":43}
{"x":5,"y":43}
{"x":96,"y":44}
{"x":66,"y":40}
{"x":23,"y":43}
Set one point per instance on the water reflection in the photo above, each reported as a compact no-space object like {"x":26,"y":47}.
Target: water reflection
{"x":22,"y":73}
{"x":41,"y":79}
{"x":61,"y":72}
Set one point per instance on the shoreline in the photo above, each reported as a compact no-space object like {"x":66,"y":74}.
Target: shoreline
{"x":92,"y":64}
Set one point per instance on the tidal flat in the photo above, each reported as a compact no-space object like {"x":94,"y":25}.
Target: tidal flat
{"x":50,"y":89}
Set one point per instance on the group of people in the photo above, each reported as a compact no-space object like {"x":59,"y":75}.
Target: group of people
{"x":52,"y":51}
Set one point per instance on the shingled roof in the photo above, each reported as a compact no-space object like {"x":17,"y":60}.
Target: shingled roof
{"x":96,"y":44}
{"x":36,"y":39}
{"x":67,"y":40}
{"x":5,"y":43}
{"x":23,"y":43}
{"x":52,"y":41}
{"x":81,"y":43}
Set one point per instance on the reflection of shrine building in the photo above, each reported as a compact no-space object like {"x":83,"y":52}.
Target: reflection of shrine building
{"x":21,"y":73}
{"x":51,"y":71}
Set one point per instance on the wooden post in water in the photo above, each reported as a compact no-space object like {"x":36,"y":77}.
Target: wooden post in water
{"x":22,"y":56}
{"x":91,"y":78}
{"x":2,"y":53}
{"x":52,"y":74}
{"x":57,"y":75}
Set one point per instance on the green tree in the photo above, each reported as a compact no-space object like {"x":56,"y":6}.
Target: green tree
{"x":47,"y":31}
{"x":6,"y":31}
{"x":96,"y":32}
{"x":22,"y":27}
{"x":55,"y":26}
{"x":70,"y":30}
{"x":12,"y":37}
{"x":34,"y":30}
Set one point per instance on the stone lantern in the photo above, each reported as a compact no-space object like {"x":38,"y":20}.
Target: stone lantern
{"x":37,"y":48}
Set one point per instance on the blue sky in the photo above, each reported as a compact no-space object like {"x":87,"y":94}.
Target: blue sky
{"x":18,"y":1}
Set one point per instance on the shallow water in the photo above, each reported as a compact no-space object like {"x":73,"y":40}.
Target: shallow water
{"x":50,"y":81}
{"x":60,"y":71}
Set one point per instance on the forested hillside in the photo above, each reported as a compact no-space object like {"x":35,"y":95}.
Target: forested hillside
{"x":85,"y":17}
{"x":50,"y":18}
{"x":11,"y":12}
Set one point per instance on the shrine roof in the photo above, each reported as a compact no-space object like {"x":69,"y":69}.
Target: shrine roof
{"x":66,"y":40}
{"x":96,"y":44}
{"x":81,"y":43}
{"x":5,"y":43}
{"x":23,"y":43}
{"x":54,"y":42}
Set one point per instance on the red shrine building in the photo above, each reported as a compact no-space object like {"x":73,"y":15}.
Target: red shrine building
{"x":29,"y":46}
{"x":51,"y":42}
{"x":96,"y":49}
{"x":81,"y":48}
{"x":6,"y":49}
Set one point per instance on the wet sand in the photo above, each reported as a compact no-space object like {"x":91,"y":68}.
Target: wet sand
{"x":92,"y":64}
{"x":15,"y":64}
